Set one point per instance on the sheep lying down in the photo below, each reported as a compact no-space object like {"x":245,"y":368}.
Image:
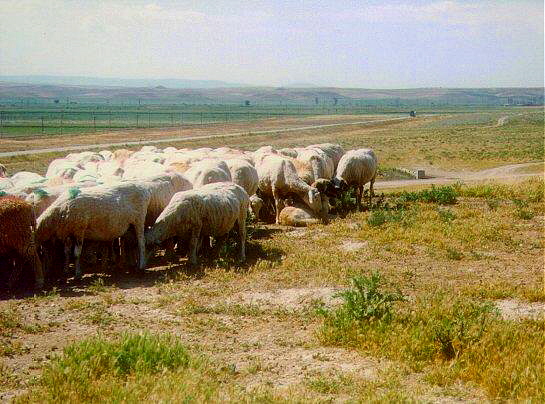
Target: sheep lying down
{"x":211,"y":210}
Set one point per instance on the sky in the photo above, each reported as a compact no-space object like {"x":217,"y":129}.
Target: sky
{"x":341,"y":43}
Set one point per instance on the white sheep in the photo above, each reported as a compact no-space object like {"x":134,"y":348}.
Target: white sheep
{"x":135,"y":170}
{"x":208,"y":171}
{"x":334,"y":151}
{"x":278,"y":179}
{"x":356,"y":168}
{"x":211,"y":210}
{"x":3,"y":171}
{"x":313,"y":164}
{"x":102,"y":213}
{"x":162,"y":188}
{"x":244,"y":174}
{"x":26,"y":178}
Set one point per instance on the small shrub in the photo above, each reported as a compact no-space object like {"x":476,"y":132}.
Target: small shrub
{"x":345,"y":202}
{"x":364,"y":301}
{"x":463,"y":327}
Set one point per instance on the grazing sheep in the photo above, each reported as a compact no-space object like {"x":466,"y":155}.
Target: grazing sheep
{"x":313,"y":164}
{"x":334,"y":151}
{"x":17,"y":235}
{"x":121,"y":155}
{"x":208,"y":171}
{"x":244,"y":174}
{"x":278,"y":178}
{"x":3,"y":171}
{"x":102,"y":213}
{"x":162,"y":188}
{"x":135,"y":170}
{"x":26,"y":178}
{"x":357,"y":168}
{"x":211,"y":210}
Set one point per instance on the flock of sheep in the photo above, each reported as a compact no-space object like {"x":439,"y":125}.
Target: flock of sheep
{"x":128,"y":201}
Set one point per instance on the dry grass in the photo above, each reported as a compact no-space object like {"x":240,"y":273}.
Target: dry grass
{"x":252,"y":333}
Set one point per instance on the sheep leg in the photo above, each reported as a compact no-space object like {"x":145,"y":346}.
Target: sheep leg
{"x":67,"y":251}
{"x":359,"y":193}
{"x":77,"y":254}
{"x":141,"y":247}
{"x":242,"y":235}
{"x":371,"y":192}
{"x":193,"y":244}
{"x":278,"y":205}
{"x":38,"y":273}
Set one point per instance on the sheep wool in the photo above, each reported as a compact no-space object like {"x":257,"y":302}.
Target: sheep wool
{"x":211,"y":210}
{"x":16,"y":236}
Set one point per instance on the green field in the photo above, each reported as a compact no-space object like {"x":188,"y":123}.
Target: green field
{"x":20,"y":120}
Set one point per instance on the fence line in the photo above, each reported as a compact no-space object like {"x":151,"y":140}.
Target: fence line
{"x":30,"y":123}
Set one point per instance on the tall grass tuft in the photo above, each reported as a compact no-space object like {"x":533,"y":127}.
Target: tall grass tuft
{"x":451,"y":337}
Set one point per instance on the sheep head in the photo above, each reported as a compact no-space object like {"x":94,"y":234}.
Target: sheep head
{"x":318,"y":203}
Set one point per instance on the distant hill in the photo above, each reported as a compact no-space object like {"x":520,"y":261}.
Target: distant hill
{"x":325,"y":96}
{"x":117,"y":82}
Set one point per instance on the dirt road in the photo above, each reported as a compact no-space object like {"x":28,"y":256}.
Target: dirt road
{"x":439,"y":177}
{"x":184,"y":138}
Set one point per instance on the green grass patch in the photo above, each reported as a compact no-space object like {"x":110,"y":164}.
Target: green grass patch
{"x":462,"y":339}
{"x":443,"y":195}
{"x":129,"y":368}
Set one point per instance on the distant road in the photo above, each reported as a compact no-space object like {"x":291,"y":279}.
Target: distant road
{"x":181,"y":139}
{"x":506,"y":172}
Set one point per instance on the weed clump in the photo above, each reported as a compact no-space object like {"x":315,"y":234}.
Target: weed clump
{"x":457,"y":338}
{"x":128,"y":368}
{"x":444,"y":195}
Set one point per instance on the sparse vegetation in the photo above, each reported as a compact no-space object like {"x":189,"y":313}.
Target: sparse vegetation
{"x":427,"y":329}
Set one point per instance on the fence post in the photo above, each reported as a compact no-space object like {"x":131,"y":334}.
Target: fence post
{"x":94,"y":123}
{"x":62,"y":116}
{"x":149,"y":119}
{"x":137,"y":120}
{"x":1,"y":123}
{"x":42,"y":124}
{"x":201,"y":118}
{"x":226,"y":117}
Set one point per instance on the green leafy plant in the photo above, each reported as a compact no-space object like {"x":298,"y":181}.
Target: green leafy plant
{"x":364,"y":301}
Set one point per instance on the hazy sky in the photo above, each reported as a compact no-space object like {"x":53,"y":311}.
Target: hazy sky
{"x":374,"y":44}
